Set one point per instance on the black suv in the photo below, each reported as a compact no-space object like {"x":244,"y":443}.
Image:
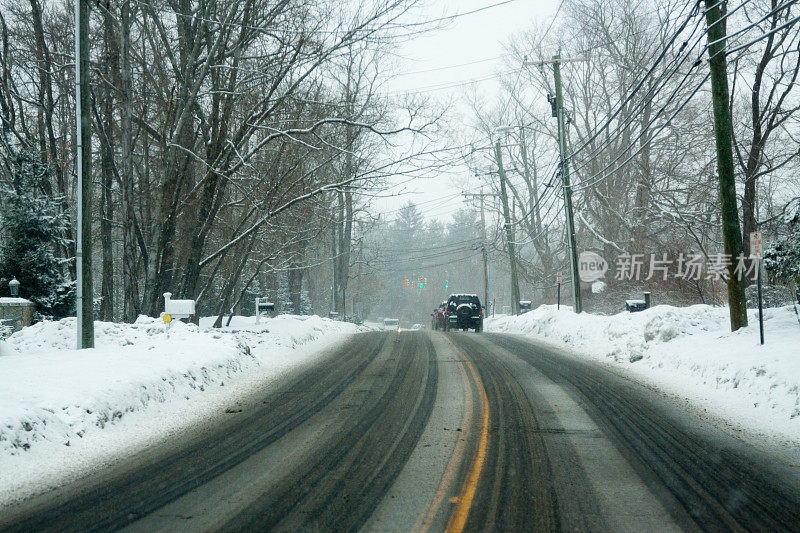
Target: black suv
{"x":463,"y":311}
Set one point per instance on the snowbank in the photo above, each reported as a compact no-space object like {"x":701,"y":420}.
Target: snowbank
{"x":692,"y":353}
{"x":52,"y":394}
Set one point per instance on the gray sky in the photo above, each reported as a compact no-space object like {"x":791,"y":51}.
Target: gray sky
{"x":468,"y":48}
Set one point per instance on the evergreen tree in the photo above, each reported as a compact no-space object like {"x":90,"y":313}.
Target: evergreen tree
{"x":782,"y":258}
{"x":409,"y":224}
{"x":31,"y":225}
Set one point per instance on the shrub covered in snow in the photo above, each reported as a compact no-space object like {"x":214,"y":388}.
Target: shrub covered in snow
{"x":782,"y":257}
{"x":31,"y":225}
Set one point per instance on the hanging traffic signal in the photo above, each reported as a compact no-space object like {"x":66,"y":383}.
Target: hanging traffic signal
{"x":405,"y":282}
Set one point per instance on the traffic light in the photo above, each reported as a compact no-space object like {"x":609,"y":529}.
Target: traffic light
{"x":405,"y":282}
{"x":446,"y":285}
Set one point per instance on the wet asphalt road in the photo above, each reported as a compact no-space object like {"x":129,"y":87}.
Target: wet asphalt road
{"x":426,"y":431}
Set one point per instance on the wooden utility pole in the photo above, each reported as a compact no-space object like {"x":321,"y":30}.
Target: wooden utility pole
{"x":558,"y":102}
{"x":512,"y":255}
{"x":724,"y":139}
{"x":83,"y":137}
{"x":577,"y":301}
{"x":485,"y":255}
{"x":482,"y":195}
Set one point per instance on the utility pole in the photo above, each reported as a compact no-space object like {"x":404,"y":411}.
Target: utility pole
{"x":483,"y":247}
{"x":485,"y":258}
{"x":83,"y":139}
{"x":512,"y":256}
{"x":724,"y":138}
{"x":577,"y":303}
{"x":527,"y":172}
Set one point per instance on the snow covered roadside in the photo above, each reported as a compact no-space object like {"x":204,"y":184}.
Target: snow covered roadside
{"x":691,"y":353}
{"x":63,"y":410}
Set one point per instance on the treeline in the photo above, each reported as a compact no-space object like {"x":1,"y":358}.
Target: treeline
{"x":232,"y":140}
{"x":641,"y":138}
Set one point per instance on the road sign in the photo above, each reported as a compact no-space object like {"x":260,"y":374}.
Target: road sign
{"x":756,"y":245}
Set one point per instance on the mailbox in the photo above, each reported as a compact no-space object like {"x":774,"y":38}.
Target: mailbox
{"x":178,"y":308}
{"x":635,"y":305}
{"x":263,"y":307}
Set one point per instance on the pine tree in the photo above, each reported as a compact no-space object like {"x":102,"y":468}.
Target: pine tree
{"x":31,"y":226}
{"x":782,"y":257}
{"x":409,"y":223}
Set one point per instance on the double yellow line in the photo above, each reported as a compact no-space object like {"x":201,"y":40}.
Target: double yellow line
{"x":459,"y":515}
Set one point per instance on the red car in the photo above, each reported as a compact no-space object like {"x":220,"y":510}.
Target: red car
{"x":438,"y":317}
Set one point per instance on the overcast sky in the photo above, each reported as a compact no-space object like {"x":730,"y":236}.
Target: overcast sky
{"x":443,"y":63}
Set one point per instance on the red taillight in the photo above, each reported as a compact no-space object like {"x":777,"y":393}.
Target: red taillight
{"x":480,"y":311}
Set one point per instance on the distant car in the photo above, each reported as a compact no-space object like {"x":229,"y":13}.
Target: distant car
{"x":437,"y":322}
{"x":391,"y":323}
{"x":417,"y":327}
{"x":463,"y":311}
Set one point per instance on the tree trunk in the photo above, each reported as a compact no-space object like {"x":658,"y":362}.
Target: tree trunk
{"x":130,"y":271}
{"x":106,"y":115}
{"x":727,"y":184}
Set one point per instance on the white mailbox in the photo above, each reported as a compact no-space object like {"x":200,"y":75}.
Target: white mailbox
{"x":263,"y":307}
{"x":178,"y":308}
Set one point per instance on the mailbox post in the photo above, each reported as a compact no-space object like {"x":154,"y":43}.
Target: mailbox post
{"x":756,"y":253}
{"x":15,"y":311}
{"x":13,"y":287}
{"x":177,"y":308}
{"x":262,"y":306}
{"x":558,"y":280}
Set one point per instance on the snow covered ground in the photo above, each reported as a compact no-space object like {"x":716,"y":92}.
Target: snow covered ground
{"x":63,"y":410}
{"x":691,"y":353}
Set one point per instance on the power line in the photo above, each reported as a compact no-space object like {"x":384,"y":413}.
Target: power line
{"x":661,"y":81}
{"x":448,"y":67}
{"x":452,"y":85}
{"x":519,"y":74}
{"x":642,"y":146}
{"x":306,"y":31}
{"x":639,"y":85}
{"x":585,"y":185}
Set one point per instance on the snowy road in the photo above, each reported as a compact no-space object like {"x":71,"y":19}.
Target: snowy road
{"x":431,"y":431}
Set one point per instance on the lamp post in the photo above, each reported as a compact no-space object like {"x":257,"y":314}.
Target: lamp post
{"x":13,"y":287}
